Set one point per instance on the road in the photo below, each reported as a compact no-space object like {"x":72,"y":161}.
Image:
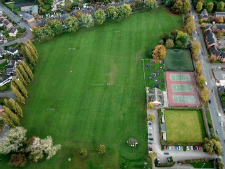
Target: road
{"x":215,"y":106}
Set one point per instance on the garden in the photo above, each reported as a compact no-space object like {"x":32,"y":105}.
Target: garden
{"x":93,"y":79}
{"x":184,"y":126}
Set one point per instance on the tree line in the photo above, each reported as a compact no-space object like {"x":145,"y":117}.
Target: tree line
{"x":54,"y":27}
{"x":210,"y":6}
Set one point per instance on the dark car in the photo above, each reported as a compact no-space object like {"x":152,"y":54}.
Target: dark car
{"x":166,"y":153}
{"x":149,"y":134}
{"x":209,"y":101}
{"x":168,"y":159}
{"x":150,"y":138}
{"x":149,"y":142}
{"x":150,"y":148}
{"x":149,"y":123}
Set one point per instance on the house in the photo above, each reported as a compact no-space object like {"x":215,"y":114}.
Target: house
{"x":204,"y":15}
{"x":13,"y":32}
{"x":1,"y":21}
{"x":12,"y":51}
{"x":27,"y":17}
{"x":155,"y":96}
{"x":34,"y":10}
{"x":219,"y":76}
{"x":219,"y":14}
{"x":7,"y":24}
{"x":5,"y":79}
{"x":164,"y":136}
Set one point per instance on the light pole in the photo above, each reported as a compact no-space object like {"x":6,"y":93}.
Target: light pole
{"x":203,"y":165}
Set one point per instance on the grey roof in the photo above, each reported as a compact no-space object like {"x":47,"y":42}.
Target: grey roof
{"x":13,"y":30}
{"x":210,"y":37}
{"x":214,"y":50}
{"x":19,"y":5}
{"x":221,"y":89}
{"x":163,"y":127}
{"x":204,"y":14}
{"x":35,"y":9}
{"x":27,"y":16}
{"x":155,"y":94}
{"x":220,"y":13}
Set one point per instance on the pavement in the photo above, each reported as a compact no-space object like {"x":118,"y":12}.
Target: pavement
{"x":3,"y":133}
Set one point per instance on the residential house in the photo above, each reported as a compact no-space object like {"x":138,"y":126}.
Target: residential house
{"x":7,"y":24}
{"x":204,"y":15}
{"x":27,"y":17}
{"x":219,"y":14}
{"x":155,"y":96}
{"x":13,"y":32}
{"x":12,"y":51}
{"x":1,"y":21}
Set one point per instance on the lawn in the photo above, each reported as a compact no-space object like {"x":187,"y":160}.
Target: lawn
{"x":183,"y":125}
{"x":178,"y":60}
{"x":209,"y":164}
{"x":153,"y":78}
{"x":72,"y":76}
{"x":11,"y":6}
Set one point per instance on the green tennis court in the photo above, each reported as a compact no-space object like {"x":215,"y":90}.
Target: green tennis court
{"x":181,"y":88}
{"x":180,"y":77}
{"x":178,"y":60}
{"x":183,"y":99}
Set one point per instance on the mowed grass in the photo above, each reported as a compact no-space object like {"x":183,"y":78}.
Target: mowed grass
{"x":184,"y":126}
{"x":178,"y":60}
{"x":71,"y":77}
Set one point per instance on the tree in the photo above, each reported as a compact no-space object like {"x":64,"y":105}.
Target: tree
{"x":202,"y":25}
{"x":13,"y":141}
{"x":27,"y":55}
{"x":167,"y":3}
{"x":159,"y":53}
{"x":7,"y":120}
{"x":153,"y":155}
{"x":201,"y":80}
{"x":34,"y":30}
{"x":124,"y":11}
{"x":101,"y":149}
{"x":219,"y":34}
{"x":138,"y":3}
{"x":71,"y":24}
{"x":205,"y":94}
{"x":177,"y":7}
{"x":195,"y":46}
{"x":199,"y":6}
{"x":200,"y":20}
{"x":18,"y":160}
{"x":195,"y":55}
{"x":20,"y":86}
{"x":151,"y":117}
{"x":27,"y":70}
{"x":220,"y":7}
{"x":111,"y":12}
{"x":151,"y":4}
{"x":198,"y":67}
{"x":41,"y":33}
{"x":190,"y":27}
{"x":34,"y":49}
{"x":219,"y":164}
{"x":183,"y":37}
{"x":19,"y":97}
{"x":68,"y":7}
{"x":221,"y":20}
{"x":12,"y":116}
{"x":86,"y":20}
{"x":38,"y":147}
{"x":169,"y":43}
{"x":210,"y":7}
{"x":13,"y":106}
{"x":187,"y":6}
{"x":79,"y":14}
{"x":150,"y":105}
{"x":24,"y":73}
{"x":55,"y":26}
{"x":212,"y":146}
{"x":99,"y":16}
{"x":83,"y":153}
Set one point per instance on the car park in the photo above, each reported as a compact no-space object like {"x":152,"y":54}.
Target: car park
{"x":221,"y":124}
{"x":217,"y":132}
{"x":187,"y":148}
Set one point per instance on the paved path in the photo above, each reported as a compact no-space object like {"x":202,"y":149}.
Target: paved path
{"x":8,"y":94}
{"x":3,"y":133}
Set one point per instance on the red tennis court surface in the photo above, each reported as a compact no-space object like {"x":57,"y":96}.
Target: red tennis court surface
{"x":181,"y":89}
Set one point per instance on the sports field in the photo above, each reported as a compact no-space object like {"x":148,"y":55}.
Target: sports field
{"x":184,"y":126}
{"x":71,"y":78}
{"x":178,"y":60}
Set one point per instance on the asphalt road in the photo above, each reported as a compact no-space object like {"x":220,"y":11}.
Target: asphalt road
{"x":215,"y":106}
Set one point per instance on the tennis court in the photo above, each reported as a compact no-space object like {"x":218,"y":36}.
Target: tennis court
{"x":180,"y":77}
{"x":181,"y":89}
{"x":178,"y":60}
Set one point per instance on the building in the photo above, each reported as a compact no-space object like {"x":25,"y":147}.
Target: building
{"x":27,"y":17}
{"x":219,"y":76}
{"x":204,"y":15}
{"x":219,"y":14}
{"x":13,"y":32}
{"x":155,"y":96}
{"x":7,"y":24}
{"x":12,"y":51}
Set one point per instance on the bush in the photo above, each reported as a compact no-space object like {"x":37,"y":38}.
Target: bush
{"x":167,"y":164}
{"x":195,"y":160}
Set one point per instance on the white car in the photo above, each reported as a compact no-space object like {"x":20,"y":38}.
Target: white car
{"x":187,"y":148}
{"x":191,"y":147}
{"x":219,"y":114}
{"x":150,"y":128}
{"x":221,"y":124}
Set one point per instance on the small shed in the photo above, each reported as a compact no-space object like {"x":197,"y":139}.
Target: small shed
{"x":132,"y":142}
{"x":163,"y":128}
{"x":164,"y":136}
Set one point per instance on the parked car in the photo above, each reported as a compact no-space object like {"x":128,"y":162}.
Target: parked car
{"x":150,"y":128}
{"x":219,"y":114}
{"x":149,"y":142}
{"x":168,"y":159}
{"x":187,"y":148}
{"x":177,"y":147}
{"x":150,"y":148}
{"x":199,"y":147}
{"x":150,"y":138}
{"x":212,"y":90}
{"x":195,"y":147}
{"x":209,"y":101}
{"x":217,"y":132}
{"x":164,"y":147}
{"x":158,"y":160}
{"x":168,"y":147}
{"x":191,"y":147}
{"x":221,"y":124}
{"x":149,"y":134}
{"x":149,"y":123}
{"x":166,"y":153}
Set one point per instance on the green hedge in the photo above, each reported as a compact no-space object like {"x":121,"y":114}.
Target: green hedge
{"x":195,"y":160}
{"x":167,"y":164}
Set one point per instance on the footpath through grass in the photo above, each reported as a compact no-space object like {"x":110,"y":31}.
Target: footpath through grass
{"x":184,"y":126}
{"x":71,"y":77}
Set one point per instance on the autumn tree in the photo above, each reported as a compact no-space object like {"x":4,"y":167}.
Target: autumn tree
{"x":12,"y":116}
{"x":55,"y":26}
{"x":18,"y":160}
{"x":221,"y":20}
{"x":7,"y":120}
{"x":86,"y":21}
{"x":14,"y":140}
{"x":195,"y":46}
{"x":78,"y":15}
{"x":198,"y":67}
{"x":20,"y":86}
{"x":27,"y":54}
{"x":68,"y":7}
{"x":220,"y":7}
{"x":201,"y":80}
{"x":210,"y":7}
{"x":14,"y":106}
{"x":199,"y":6}
{"x":186,"y":6}
{"x":190,"y":27}
{"x":151,"y":117}
{"x":159,"y":53}
{"x":37,"y":148}
{"x":151,"y":4}
{"x":124,"y":11}
{"x":153,"y":155}
{"x":83,"y":153}
{"x":18,"y":95}
{"x":177,"y":7}
{"x":138,"y":3}
{"x":219,"y":34}
{"x":169,"y":43}
{"x":212,"y":146}
{"x":99,"y":16}
{"x":203,"y":25}
{"x":219,"y":163}
{"x":71,"y":24}
{"x":111,"y":12}
{"x":205,"y":94}
{"x":150,"y":105}
{"x":101,"y":149}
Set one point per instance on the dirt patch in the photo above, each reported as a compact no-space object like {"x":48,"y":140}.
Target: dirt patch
{"x":113,"y":73}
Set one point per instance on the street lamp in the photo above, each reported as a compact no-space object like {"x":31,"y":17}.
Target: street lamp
{"x":203,"y":165}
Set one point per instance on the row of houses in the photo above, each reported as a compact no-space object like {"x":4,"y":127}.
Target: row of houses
{"x":6,"y":23}
{"x":212,"y":43}
{"x":205,"y":16}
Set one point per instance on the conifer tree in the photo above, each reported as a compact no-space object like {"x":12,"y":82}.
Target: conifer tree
{"x":29,"y":56}
{"x":18,"y":95}
{"x":14,"y":106}
{"x":7,"y":120}
{"x":33,"y":50}
{"x":7,"y":104}
{"x":28,"y":70}
{"x":20,"y":76}
{"x":24,"y":73}
{"x":20,"y":86}
{"x":12,"y":116}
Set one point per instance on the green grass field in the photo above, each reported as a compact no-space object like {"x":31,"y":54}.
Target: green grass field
{"x":209,"y":164}
{"x":71,"y":77}
{"x":150,"y":78}
{"x":178,"y":60}
{"x":184,"y":126}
